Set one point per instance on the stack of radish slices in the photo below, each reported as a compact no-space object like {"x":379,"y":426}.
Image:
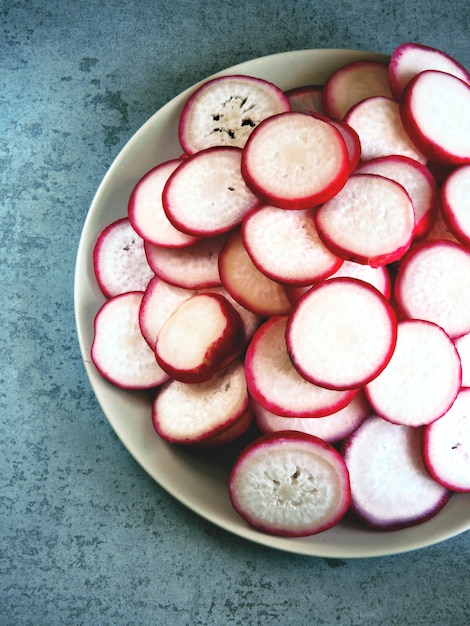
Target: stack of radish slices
{"x":302,"y":272}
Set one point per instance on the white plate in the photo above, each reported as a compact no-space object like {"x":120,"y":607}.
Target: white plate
{"x":198,"y":484}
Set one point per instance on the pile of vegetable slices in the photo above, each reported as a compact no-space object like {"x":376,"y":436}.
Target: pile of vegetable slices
{"x":302,"y":271}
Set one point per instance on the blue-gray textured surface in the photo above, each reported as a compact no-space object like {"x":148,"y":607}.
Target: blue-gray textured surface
{"x":86,"y":537}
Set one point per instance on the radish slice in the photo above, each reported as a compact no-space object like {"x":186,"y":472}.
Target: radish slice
{"x":422,"y":379}
{"x":206,"y":195}
{"x":446,"y":445}
{"x":231,"y":434}
{"x":433,"y":283}
{"x":455,"y":206}
{"x":295,"y":161}
{"x":353,"y":83}
{"x":341,"y":333}
{"x":290,"y":484}
{"x":223,"y":111}
{"x":390,"y":486}
{"x":409,"y":59}
{"x":275,"y":383}
{"x":350,"y":136}
{"x":119,"y":260}
{"x":435,"y":110}
{"x":371,"y":220}
{"x":306,"y":99}
{"x":462,"y":344}
{"x":145,"y":209}
{"x":119,"y":351}
{"x":191,"y":413}
{"x":285,"y":246}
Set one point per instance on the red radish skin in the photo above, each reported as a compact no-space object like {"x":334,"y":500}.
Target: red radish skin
{"x":231,"y":434}
{"x":290,"y":484}
{"x":350,"y":136}
{"x":390,"y":486}
{"x":455,"y":204}
{"x":306,"y":99}
{"x":462,"y":344}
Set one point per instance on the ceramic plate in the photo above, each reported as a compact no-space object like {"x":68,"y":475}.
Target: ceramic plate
{"x":200,"y":484}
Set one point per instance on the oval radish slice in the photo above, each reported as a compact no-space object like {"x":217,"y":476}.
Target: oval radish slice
{"x":295,"y":161}
{"x":435,"y":110}
{"x":390,"y":486}
{"x":341,"y":334}
{"x":119,"y":260}
{"x":290,"y":484}
{"x":119,"y":351}
{"x":371,"y":220}
{"x":187,"y":413}
{"x":433,"y":283}
{"x":351,"y":138}
{"x":306,"y":99}
{"x":285,"y":246}
{"x":352,"y":83}
{"x":446,"y":445}
{"x":455,"y":207}
{"x":462,"y":344}
{"x":223,"y":111}
{"x":422,"y":379}
{"x":409,"y":59}
{"x":206,"y":195}
{"x":275,"y":383}
{"x":331,"y":428}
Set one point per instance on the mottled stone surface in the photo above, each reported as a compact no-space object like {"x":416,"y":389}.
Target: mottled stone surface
{"x":86,"y":537}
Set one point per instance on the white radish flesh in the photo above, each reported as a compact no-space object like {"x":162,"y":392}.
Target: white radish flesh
{"x":455,"y":207}
{"x":462,"y":344}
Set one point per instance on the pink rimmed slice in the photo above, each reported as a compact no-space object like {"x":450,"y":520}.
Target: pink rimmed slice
{"x":435,"y":111}
{"x":295,"y":161}
{"x":119,"y":260}
{"x":207,"y":195}
{"x":247,"y":284}
{"x":331,"y":428}
{"x":391,"y":488}
{"x":276,"y":384}
{"x":381,"y":131}
{"x":146,"y":213}
{"x":202,"y":335}
{"x":433,"y":283}
{"x":191,"y":267}
{"x":231,"y":434}
{"x":421,"y":380}
{"x":223,"y":111}
{"x":306,"y":99}
{"x":285,"y":246}
{"x":353,"y":83}
{"x":462,"y":344}
{"x":417,"y":181}
{"x":409,"y":59}
{"x":187,"y":413}
{"x":371,"y":220}
{"x":446,"y":445}
{"x":119,"y":351}
{"x":341,"y":333}
{"x":455,"y":205}
{"x":350,"y":136}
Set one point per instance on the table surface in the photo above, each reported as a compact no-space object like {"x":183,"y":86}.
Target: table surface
{"x":86,"y":537}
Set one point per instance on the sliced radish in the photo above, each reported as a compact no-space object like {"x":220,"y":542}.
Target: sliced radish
{"x":421,"y":380}
{"x":390,"y":486}
{"x":353,"y":83}
{"x":285,"y":246}
{"x":371,"y":220}
{"x":433,"y":283}
{"x":119,"y":351}
{"x":409,"y":59}
{"x":435,"y":110}
{"x":231,"y":434}
{"x":341,"y":333}
{"x":290,"y":484}
{"x":446,"y":445}
{"x":119,"y":260}
{"x":306,"y":99}
{"x":146,"y":213}
{"x":274,"y":382}
{"x":417,"y":181}
{"x":191,"y":413}
{"x":206,"y":195}
{"x":192,"y":267}
{"x":462,"y":344}
{"x":202,"y":335}
{"x":350,"y":136}
{"x":295,"y":161}
{"x":246,"y":284}
{"x":331,"y":428}
{"x":381,"y":131}
{"x":455,"y":207}
{"x":223,"y":111}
